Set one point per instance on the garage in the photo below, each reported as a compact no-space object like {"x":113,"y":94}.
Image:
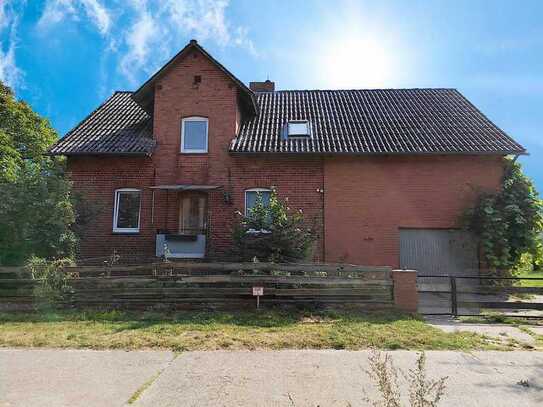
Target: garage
{"x":439,"y":252}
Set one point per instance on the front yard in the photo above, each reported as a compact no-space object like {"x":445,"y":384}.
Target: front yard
{"x":213,"y":330}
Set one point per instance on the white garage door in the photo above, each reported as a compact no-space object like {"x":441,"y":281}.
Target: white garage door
{"x":439,"y":252}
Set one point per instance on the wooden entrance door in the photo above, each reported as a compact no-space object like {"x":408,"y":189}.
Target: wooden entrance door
{"x":193,"y":213}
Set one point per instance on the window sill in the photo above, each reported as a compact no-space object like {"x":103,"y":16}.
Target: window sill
{"x":125,"y":232}
{"x":193,"y":152}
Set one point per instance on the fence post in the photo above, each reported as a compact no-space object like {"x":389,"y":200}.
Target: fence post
{"x":454,"y":302}
{"x":406,"y":296}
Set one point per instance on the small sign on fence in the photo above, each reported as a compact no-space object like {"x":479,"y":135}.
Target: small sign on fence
{"x":257,"y":292}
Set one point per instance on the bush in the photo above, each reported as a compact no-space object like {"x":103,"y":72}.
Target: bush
{"x":422,"y":392}
{"x":52,"y":280}
{"x":509,"y":223}
{"x":272,"y":233}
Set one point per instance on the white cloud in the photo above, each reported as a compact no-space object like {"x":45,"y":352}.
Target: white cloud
{"x":99,"y":14}
{"x":154,"y":32}
{"x":56,"y":11}
{"x":242,"y":39}
{"x":150,"y":31}
{"x":201,"y":18}
{"x":10,"y":74}
{"x":142,"y":35}
{"x":3,"y":16}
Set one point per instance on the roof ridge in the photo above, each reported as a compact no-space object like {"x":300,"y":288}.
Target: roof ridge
{"x":354,"y":89}
{"x":139,"y":95}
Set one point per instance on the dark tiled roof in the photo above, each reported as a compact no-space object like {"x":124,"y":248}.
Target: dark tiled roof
{"x":118,"y":126}
{"x":412,"y":121}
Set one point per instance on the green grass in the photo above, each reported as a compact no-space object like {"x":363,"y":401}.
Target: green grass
{"x":221,"y":330}
{"x":531,"y":283}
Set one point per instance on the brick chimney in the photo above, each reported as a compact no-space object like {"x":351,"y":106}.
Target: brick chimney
{"x":267,"y":86}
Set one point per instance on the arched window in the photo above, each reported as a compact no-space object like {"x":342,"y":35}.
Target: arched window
{"x":194,"y":135}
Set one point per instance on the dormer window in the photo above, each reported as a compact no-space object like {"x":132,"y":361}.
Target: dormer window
{"x":298,"y":128}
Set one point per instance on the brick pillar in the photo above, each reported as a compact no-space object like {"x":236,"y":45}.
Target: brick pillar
{"x":406,"y":297}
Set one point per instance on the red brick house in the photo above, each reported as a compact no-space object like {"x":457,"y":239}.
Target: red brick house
{"x":382,"y":173}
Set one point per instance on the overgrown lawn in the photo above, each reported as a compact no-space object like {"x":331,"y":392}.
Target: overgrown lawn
{"x":222,"y":330}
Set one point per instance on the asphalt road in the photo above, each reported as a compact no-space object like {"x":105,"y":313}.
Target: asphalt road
{"x":286,"y":378}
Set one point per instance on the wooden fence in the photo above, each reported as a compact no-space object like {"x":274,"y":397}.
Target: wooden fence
{"x":211,"y":286}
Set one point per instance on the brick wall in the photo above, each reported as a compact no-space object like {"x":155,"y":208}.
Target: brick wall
{"x":367,"y":200}
{"x":297,"y":179}
{"x":96,"y":179}
{"x":406,"y":295}
{"x":216,"y":98}
{"x":176,"y":97}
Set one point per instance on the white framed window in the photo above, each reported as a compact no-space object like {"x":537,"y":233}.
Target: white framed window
{"x":126,"y":212}
{"x":298,"y":128}
{"x":251,"y":196}
{"x":194,"y":135}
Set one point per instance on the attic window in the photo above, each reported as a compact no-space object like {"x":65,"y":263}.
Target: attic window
{"x":298,"y":128}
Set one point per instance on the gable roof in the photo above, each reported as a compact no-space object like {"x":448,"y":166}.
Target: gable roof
{"x":384,"y":121}
{"x":118,"y":126}
{"x":380,"y":121}
{"x":144,"y":95}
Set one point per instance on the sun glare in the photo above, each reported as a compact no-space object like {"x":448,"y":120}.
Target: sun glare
{"x":356,"y":63}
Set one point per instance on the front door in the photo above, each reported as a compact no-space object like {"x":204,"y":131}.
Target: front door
{"x":193,"y":213}
{"x":190,"y":241}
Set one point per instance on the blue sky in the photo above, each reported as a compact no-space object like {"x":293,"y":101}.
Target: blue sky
{"x":66,"y":56}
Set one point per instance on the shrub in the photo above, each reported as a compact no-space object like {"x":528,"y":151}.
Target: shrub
{"x":508,"y":223}
{"x":272,"y":233}
{"x":52,"y":280}
{"x":422,"y":392}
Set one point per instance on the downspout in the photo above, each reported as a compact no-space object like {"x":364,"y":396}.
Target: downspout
{"x":323,"y":191}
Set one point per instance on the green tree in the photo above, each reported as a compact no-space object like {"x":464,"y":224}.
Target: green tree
{"x":36,"y":211}
{"x":508,"y":223}
{"x":272,"y":233}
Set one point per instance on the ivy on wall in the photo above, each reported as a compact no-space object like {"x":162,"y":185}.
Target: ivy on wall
{"x":508,"y":223}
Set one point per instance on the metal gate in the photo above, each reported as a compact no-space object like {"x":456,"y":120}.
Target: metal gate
{"x":482,"y":295}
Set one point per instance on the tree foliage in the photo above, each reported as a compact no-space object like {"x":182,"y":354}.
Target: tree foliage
{"x":36,"y":210}
{"x":508,"y":223}
{"x":272,"y":233}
